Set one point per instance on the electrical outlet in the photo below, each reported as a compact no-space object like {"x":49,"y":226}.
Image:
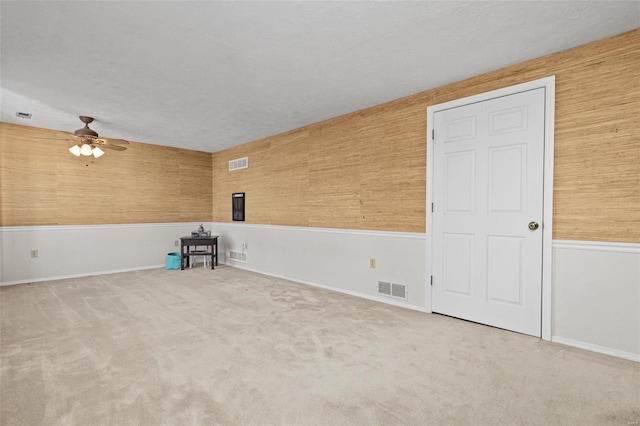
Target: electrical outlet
{"x":34,"y":253}
{"x":176,"y":243}
{"x":372,"y":263}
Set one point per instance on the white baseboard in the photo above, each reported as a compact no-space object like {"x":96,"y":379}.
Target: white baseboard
{"x":595,"y":348}
{"x":336,"y":289}
{"x":89,"y":274}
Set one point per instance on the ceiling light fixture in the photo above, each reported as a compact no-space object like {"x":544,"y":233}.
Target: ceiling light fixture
{"x":90,"y":144}
{"x":75,"y":150}
{"x":85,"y":149}
{"x":97,"y":152}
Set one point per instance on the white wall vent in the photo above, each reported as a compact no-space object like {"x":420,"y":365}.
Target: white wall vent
{"x":391,"y":289}
{"x":239,"y":163}
{"x":237,"y":256}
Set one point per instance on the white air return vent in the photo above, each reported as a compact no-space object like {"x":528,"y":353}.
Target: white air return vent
{"x":237,"y":256}
{"x":239,"y":163}
{"x":384,"y":288}
{"x":398,"y":291}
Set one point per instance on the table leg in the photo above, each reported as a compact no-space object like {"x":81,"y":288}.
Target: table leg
{"x":212,"y":251}
{"x":182,"y":255}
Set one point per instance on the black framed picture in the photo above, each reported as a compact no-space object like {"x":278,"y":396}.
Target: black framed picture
{"x":237,"y":205}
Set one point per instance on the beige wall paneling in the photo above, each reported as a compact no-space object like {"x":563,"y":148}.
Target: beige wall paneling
{"x":144,"y":184}
{"x":335,"y":163}
{"x":287,"y":178}
{"x":28,"y":180}
{"x":332,"y":175}
{"x":275,"y":184}
{"x":253,"y":181}
{"x":393,"y":172}
{"x":89,"y":190}
{"x":195,"y":186}
{"x":597,"y":174}
{"x":366,"y":169}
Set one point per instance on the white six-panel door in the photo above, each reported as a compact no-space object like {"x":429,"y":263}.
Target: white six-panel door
{"x":488,"y":171}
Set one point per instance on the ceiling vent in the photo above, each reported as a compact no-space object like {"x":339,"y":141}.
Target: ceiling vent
{"x":399,"y":291}
{"x":239,"y":163}
{"x":23,"y":115}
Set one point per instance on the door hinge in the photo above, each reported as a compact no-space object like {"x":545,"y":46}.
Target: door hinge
{"x":431,"y":207}
{"x":431,"y":281}
{"x":433,"y":134}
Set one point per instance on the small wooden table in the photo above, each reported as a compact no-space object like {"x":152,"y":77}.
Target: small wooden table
{"x":211,"y":249}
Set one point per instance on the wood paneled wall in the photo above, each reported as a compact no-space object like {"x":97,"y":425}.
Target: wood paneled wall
{"x":43,"y":184}
{"x":339,"y":174}
{"x":366,"y":170}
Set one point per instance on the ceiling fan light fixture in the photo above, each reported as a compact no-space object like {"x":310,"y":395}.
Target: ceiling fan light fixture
{"x":97,"y":152}
{"x":85,"y":149}
{"x":75,"y":150}
{"x":89,"y":144}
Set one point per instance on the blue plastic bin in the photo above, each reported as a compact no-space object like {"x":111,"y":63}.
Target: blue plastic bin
{"x":173,"y":260}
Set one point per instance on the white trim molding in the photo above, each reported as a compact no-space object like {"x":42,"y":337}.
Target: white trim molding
{"x":595,"y":348}
{"x":597,"y":246}
{"x":89,"y":227}
{"x":374,"y":233}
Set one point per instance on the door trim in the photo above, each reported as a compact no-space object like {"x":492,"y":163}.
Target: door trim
{"x":549,"y":83}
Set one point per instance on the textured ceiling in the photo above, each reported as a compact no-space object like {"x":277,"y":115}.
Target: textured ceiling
{"x":210,"y":75}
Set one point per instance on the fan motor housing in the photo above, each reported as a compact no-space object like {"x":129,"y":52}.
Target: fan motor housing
{"x":86,"y":132}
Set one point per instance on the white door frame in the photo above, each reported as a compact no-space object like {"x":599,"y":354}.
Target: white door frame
{"x":549,"y":83}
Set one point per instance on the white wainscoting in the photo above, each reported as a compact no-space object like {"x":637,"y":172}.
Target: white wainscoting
{"x":75,"y":251}
{"x":596,"y":297}
{"x":331,"y":258}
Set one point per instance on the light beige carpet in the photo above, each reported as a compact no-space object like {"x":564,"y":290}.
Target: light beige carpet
{"x":233,"y":347}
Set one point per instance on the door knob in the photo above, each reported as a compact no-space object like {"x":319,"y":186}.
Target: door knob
{"x":533,"y":226}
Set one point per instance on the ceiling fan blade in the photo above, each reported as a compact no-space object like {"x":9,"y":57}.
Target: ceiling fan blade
{"x":113,"y":147}
{"x":61,"y":135}
{"x":113,"y":141}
